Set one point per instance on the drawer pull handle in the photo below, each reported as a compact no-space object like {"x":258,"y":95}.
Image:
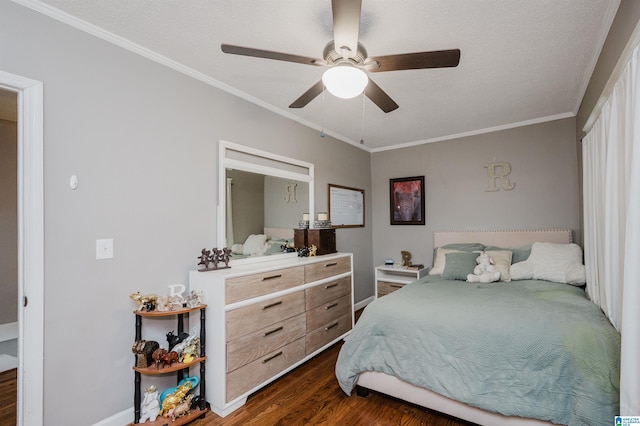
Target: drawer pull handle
{"x":329,"y":327}
{"x":396,"y":286}
{"x":271,"y":305}
{"x":266,"y":360}
{"x":326,"y":265}
{"x":333,"y":305}
{"x":328,"y":286}
{"x":275,"y":330}
{"x":271,"y":277}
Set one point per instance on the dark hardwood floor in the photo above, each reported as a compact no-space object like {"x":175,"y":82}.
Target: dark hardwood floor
{"x":310,"y":395}
{"x":8,"y":397}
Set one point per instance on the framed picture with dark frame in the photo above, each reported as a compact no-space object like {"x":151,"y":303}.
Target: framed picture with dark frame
{"x":406,"y":201}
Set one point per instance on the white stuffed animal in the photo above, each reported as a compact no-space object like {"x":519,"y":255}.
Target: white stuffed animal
{"x":484,"y":272}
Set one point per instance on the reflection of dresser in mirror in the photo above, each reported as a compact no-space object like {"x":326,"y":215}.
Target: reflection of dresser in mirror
{"x":324,"y":239}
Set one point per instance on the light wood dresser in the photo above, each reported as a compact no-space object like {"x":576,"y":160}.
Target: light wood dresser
{"x":266,"y":318}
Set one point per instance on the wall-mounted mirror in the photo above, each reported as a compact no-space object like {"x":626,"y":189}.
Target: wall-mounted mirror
{"x":261,"y":198}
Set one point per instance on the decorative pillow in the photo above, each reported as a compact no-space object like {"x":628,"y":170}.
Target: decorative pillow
{"x":459,"y":265}
{"x":236,"y":249}
{"x":254,"y":244}
{"x":561,"y":263}
{"x":477,"y":247}
{"x":519,"y":254}
{"x":439,"y":262}
{"x":502,"y":262}
{"x":522,"y":271}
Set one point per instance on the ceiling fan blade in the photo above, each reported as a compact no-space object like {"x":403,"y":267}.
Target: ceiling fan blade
{"x":308,"y":96}
{"x":416,"y":61}
{"x":346,"y":26}
{"x":267,"y":54}
{"x":379,"y":97}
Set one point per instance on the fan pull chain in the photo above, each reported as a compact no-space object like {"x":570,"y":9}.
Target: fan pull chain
{"x":322,"y":115}
{"x":362,"y":129}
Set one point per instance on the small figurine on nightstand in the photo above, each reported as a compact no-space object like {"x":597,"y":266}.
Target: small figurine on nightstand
{"x":406,"y":258}
{"x":313,"y":250}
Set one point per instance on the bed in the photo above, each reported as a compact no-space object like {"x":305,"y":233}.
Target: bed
{"x":524,"y":352}
{"x":268,"y":243}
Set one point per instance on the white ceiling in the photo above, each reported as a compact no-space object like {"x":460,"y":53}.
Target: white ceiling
{"x":522,"y":61}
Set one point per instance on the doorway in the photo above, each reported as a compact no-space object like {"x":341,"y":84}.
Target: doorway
{"x":30,"y":245}
{"x":8,"y":254}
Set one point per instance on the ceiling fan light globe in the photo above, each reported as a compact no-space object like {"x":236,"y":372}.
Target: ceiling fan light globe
{"x":345,"y":82}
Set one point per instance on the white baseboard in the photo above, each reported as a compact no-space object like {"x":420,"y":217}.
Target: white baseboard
{"x":122,"y":418}
{"x":364,"y":303}
{"x":8,"y":331}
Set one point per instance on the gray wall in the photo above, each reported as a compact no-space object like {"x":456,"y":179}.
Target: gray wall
{"x":142,"y":140}
{"x":544,"y":169}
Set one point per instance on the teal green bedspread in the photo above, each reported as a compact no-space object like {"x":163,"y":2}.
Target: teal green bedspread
{"x":533,"y":349}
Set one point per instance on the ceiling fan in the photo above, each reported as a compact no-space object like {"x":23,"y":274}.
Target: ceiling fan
{"x":346,"y":53}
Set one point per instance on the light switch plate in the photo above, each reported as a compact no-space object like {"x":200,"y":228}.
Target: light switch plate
{"x":104,"y":249}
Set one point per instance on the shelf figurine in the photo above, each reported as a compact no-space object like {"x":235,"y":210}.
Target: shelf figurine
{"x":150,"y":405}
{"x":146,"y":302}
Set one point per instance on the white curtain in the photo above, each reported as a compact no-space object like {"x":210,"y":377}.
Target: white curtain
{"x":229,"y":214}
{"x":611,"y":176}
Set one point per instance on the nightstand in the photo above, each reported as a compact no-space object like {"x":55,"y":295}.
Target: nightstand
{"x":391,"y":278}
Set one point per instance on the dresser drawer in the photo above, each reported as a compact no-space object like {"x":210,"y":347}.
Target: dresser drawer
{"x":254,"y":345}
{"x":322,"y":293}
{"x":327,"y":268}
{"x":256,"y":372}
{"x":254,"y":285}
{"x":385,"y":287}
{"x":254,"y":317}
{"x":325,"y":313}
{"x":323,"y":335}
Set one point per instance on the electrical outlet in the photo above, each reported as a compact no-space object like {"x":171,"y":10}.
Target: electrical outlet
{"x":104,"y":249}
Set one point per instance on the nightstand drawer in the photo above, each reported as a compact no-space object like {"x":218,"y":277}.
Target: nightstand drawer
{"x":322,"y":293}
{"x":252,"y":346}
{"x":385,"y":287}
{"x":327,"y":268}
{"x":254,"y":285}
{"x":247,"y":377}
{"x":325,"y":334}
{"x":327,"y":312}
{"x":254,"y":317}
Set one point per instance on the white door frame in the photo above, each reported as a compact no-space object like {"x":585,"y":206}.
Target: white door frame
{"x":30,"y":247}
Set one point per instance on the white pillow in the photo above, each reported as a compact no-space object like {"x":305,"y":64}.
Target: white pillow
{"x":255,"y":244}
{"x":522,"y":271}
{"x":561,"y":263}
{"x":237,"y":248}
{"x":502,"y":262}
{"x":441,"y":258}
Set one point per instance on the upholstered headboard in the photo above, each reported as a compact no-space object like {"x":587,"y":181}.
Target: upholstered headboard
{"x":279,"y":233}
{"x":514,"y":238}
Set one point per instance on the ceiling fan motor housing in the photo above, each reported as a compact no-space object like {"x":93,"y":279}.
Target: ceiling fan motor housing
{"x":333,"y":57}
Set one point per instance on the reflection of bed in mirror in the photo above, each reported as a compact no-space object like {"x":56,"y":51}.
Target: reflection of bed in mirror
{"x":267,"y":243}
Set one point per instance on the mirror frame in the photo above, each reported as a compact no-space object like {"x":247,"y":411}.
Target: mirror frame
{"x":254,"y":162}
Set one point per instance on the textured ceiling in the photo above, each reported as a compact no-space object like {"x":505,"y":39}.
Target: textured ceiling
{"x":522,"y":61}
